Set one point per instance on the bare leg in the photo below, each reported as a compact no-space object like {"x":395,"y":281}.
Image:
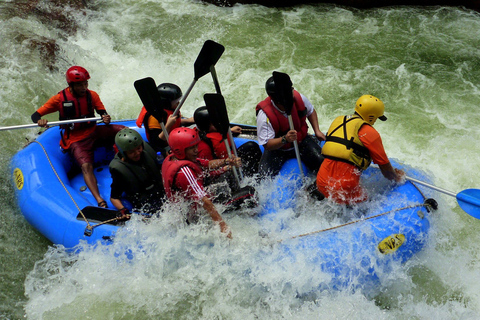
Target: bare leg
{"x":91,"y":181}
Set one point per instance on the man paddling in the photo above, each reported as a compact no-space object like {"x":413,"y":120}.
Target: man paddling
{"x":274,"y":133}
{"x":77,"y":102}
{"x":352,"y":144}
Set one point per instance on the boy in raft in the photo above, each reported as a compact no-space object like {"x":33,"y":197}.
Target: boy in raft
{"x":80,"y":139}
{"x":183,"y":176}
{"x":351,"y":145}
{"x":135,"y":174}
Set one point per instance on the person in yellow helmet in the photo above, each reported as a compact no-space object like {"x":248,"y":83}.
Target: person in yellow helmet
{"x":351,"y":145}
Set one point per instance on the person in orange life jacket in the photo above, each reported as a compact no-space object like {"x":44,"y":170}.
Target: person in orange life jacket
{"x":212,"y":145}
{"x":76,"y":102}
{"x":351,"y":145}
{"x":274,"y":134}
{"x":135,"y":174}
{"x":183,"y":174}
{"x":170,"y":94}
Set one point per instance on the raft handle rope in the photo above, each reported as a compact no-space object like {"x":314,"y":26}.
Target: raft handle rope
{"x":89,"y":229}
{"x":429,"y":203}
{"x":355,"y":221}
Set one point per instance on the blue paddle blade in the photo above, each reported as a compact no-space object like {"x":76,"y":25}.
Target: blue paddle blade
{"x":469,"y":201}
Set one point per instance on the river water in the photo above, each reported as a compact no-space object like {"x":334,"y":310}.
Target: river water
{"x":422,"y":62}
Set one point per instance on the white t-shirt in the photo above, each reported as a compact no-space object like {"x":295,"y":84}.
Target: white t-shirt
{"x":265,"y":130}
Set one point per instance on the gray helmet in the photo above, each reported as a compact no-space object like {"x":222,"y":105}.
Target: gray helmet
{"x":169,"y":91}
{"x":127,"y":139}
{"x":202,"y":119}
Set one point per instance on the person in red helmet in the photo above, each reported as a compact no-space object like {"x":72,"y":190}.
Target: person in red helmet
{"x":76,"y":102}
{"x":183,"y":174}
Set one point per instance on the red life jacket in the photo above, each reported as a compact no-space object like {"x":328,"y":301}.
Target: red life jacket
{"x":76,"y":108}
{"x":141,"y":117}
{"x":170,"y":169}
{"x":212,"y":146}
{"x":280,"y":122}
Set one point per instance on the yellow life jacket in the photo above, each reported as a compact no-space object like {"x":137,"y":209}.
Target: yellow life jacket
{"x":343,"y":143}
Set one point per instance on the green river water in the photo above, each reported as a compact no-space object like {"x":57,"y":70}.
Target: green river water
{"x":424,"y":63}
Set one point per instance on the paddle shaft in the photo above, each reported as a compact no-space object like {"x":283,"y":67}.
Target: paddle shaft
{"x":295,"y":145}
{"x":177,"y":109}
{"x":213,"y":72}
{"x":227,"y":145}
{"x":165,"y":132}
{"x":54,"y":123}
{"x":215,"y":79}
{"x":235,"y":151}
{"x":431,"y":186}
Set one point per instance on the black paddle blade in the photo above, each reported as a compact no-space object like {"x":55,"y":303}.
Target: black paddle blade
{"x":208,"y":56}
{"x":148,"y":93}
{"x":217,"y":111}
{"x":284,"y":90}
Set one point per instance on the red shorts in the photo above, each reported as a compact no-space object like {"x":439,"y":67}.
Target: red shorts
{"x":104,"y":135}
{"x":340,"y":182}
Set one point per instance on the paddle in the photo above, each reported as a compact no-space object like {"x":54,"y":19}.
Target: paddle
{"x":54,"y":123}
{"x":207,"y":58}
{"x":284,"y":94}
{"x":223,"y":108}
{"x":217,"y":111}
{"x":148,"y":93}
{"x":468,"y":200}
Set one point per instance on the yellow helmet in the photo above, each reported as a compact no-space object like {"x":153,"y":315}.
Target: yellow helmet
{"x":370,"y":108}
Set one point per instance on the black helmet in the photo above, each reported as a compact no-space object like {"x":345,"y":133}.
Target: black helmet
{"x":202,"y":119}
{"x":270,"y":87}
{"x":169,"y":91}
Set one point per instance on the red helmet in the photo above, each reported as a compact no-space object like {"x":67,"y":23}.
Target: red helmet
{"x":182,"y":138}
{"x":77,"y":74}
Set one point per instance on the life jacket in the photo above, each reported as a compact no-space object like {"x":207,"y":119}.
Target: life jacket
{"x":170,"y":169}
{"x":280,"y":122}
{"x":144,"y":180}
{"x":76,"y":108}
{"x":151,"y":122}
{"x":211,"y":143}
{"x":343,"y":143}
{"x":141,"y":117}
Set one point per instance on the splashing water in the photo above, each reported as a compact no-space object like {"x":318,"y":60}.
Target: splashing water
{"x":423,"y":63}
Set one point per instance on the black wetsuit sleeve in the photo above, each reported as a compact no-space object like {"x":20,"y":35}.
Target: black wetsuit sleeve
{"x":36,"y":116}
{"x":117,"y":185}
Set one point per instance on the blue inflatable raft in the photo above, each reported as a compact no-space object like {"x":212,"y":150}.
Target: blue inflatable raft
{"x":392,"y":227}
{"x":52,"y":196}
